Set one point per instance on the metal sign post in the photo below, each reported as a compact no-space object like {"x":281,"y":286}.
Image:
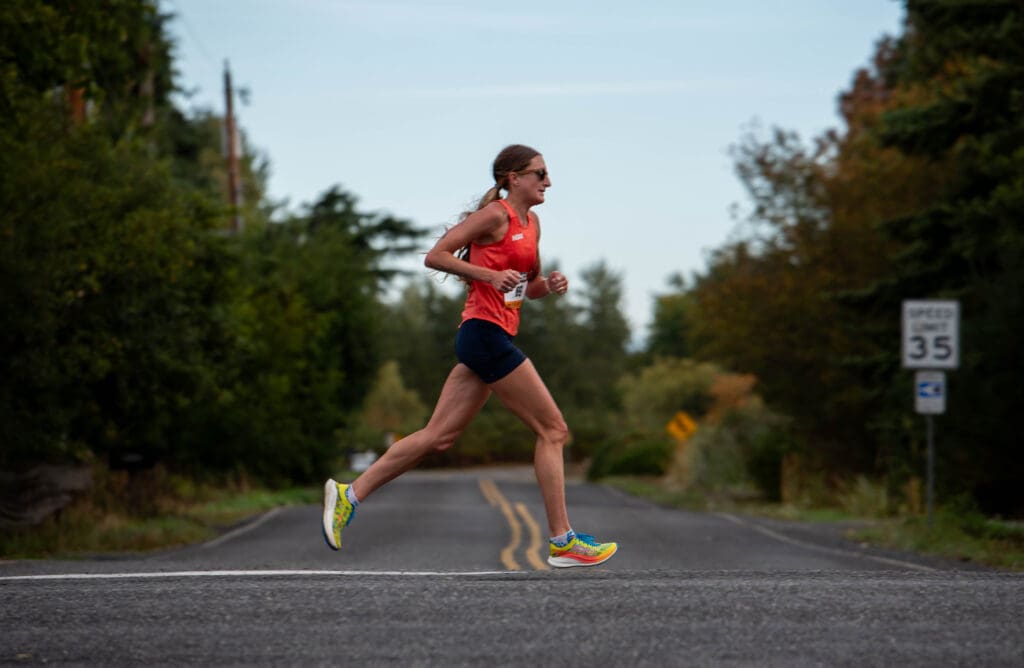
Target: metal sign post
{"x":930,"y":400}
{"x":931,"y":340}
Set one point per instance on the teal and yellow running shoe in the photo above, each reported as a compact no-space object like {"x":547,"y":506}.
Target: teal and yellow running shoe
{"x":582,"y":550}
{"x":338,"y":512}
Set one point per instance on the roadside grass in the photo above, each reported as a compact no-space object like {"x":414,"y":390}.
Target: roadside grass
{"x":235,"y":508}
{"x":967,"y":538}
{"x":78,"y":532}
{"x":656,"y":491}
{"x":960,"y":535}
{"x":178,"y":513}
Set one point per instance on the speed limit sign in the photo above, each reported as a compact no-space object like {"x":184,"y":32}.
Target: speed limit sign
{"x":931,"y":334}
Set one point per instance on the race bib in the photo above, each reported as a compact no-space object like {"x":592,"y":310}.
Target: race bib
{"x":514,"y":297}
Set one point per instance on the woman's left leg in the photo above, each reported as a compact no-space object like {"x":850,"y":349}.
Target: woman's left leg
{"x":525,"y":394}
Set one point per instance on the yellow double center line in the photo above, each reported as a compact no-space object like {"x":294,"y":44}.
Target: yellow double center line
{"x":495,"y":498}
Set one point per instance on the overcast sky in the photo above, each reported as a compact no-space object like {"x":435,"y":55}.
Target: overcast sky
{"x":633,"y":104}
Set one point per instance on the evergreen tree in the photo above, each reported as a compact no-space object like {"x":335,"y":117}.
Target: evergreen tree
{"x":107,"y":264}
{"x":671,"y":326}
{"x":960,"y":70}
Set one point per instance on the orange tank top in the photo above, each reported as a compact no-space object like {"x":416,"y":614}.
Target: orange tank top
{"x":517,"y":250}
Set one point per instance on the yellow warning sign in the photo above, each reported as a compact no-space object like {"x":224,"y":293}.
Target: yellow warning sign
{"x":681,"y":426}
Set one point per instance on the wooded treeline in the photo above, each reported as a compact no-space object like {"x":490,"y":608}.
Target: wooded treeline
{"x":919,"y":196}
{"x":137,"y":331}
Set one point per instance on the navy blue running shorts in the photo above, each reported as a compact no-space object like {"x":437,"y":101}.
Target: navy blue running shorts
{"x":487,"y":349}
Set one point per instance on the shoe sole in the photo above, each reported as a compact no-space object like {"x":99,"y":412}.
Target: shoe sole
{"x":330,"y":501}
{"x":569,"y":562}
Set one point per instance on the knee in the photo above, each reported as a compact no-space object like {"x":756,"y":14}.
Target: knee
{"x":556,"y":432}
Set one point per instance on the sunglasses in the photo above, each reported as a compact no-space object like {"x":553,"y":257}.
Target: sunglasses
{"x":541,"y":173}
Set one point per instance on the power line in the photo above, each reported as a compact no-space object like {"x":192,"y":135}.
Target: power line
{"x":180,"y":16}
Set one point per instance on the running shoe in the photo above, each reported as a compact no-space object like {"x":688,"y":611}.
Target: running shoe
{"x":582,"y":550}
{"x":338,"y":512}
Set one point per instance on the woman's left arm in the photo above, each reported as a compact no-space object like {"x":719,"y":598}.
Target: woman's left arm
{"x":541,"y":286}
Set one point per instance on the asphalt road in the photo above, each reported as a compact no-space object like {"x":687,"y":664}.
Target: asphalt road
{"x":424,"y":578}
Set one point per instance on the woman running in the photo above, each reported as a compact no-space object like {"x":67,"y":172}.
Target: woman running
{"x":502,"y":268}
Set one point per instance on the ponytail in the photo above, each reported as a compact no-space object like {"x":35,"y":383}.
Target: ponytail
{"x":490,"y":196}
{"x":493,"y":194}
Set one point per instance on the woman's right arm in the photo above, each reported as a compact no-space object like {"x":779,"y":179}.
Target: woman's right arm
{"x":480,"y":226}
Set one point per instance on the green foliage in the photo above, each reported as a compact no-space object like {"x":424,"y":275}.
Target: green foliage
{"x":767,"y":305}
{"x":418,"y":332}
{"x":764,"y":461}
{"x":601,"y":340}
{"x":114,"y":54}
{"x":134,"y":326}
{"x":389,"y":409}
{"x":959,"y":71}
{"x":958,"y":534}
{"x":737,"y":450}
{"x":100,"y":265}
{"x":194,"y":145}
{"x":865,"y":498}
{"x":671,"y":326}
{"x":653,"y":395}
{"x":109,"y":267}
{"x":147,"y":510}
{"x":738,"y":445}
{"x":919,"y":196}
{"x":304,"y":351}
{"x":649,"y":457}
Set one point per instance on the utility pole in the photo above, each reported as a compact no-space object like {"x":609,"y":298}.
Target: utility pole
{"x":234,"y":189}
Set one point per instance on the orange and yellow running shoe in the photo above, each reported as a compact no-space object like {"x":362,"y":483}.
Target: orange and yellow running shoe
{"x":338,"y":512}
{"x":582,"y":550}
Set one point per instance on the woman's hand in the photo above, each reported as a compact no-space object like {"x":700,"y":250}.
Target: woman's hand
{"x":557,"y":282}
{"x":505,"y":281}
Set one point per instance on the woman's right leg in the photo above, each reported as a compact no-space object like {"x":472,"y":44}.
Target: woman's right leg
{"x":462,"y":397}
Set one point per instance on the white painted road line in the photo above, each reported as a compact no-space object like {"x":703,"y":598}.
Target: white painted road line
{"x":247,"y":574}
{"x":827,"y":550}
{"x":242,"y":529}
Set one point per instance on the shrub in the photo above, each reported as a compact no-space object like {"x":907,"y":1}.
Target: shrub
{"x":764,"y":462}
{"x":741,"y":451}
{"x":647,"y":457}
{"x":864,"y":498}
